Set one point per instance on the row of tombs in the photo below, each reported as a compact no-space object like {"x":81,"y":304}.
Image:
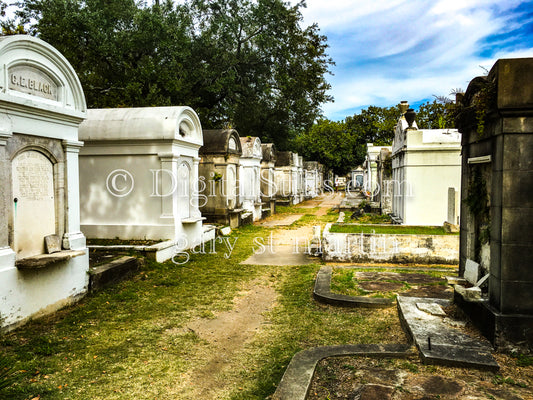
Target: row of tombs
{"x":137,"y":174}
{"x":153,"y":173}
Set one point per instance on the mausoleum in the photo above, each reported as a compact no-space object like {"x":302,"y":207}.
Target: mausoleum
{"x":426,"y":173}
{"x":268,"y":188}
{"x":43,"y":256}
{"x":250,"y":176}
{"x":496,"y":119}
{"x":139,"y":175}
{"x":219,"y":170}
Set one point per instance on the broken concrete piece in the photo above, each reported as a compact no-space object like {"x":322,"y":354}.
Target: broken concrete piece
{"x":471,"y":271}
{"x":455,"y":280}
{"x":431,"y":308}
{"x":482,"y":280}
{"x":473,"y":293}
{"x":225,"y":231}
{"x":52,"y":243}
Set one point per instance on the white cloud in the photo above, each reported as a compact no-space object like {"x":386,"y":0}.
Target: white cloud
{"x":387,"y":51}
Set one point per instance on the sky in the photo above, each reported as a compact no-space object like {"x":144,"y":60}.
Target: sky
{"x":387,"y":51}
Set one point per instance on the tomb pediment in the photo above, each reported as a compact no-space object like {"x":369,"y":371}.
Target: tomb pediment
{"x":221,"y":141}
{"x":38,"y":76}
{"x":251,"y":147}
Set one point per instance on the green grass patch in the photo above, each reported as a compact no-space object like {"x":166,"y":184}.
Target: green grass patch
{"x":344,"y":281}
{"x":388,"y":229}
{"x":373,"y":219}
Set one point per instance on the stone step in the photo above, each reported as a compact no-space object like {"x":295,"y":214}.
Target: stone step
{"x":112,"y":272}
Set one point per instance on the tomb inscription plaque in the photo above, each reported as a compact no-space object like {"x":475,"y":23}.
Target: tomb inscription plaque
{"x":32,"y":81}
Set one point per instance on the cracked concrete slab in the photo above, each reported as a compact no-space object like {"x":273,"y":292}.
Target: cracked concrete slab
{"x":440,"y":343}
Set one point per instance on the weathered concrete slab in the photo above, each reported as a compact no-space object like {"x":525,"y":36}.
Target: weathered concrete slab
{"x":42,"y":260}
{"x":438,"y":342}
{"x":286,"y":221}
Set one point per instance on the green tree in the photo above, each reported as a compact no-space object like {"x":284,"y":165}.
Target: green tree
{"x":436,"y":115}
{"x":330,"y":144}
{"x":246,"y":63}
{"x":342,"y":145}
{"x":265,"y":73}
{"x":124,"y":54}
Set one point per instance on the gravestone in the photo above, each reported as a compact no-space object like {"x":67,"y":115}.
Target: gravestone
{"x":471,"y":273}
{"x":34,"y":200}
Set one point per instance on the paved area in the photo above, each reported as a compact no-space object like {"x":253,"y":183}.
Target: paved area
{"x":285,"y":221}
{"x":290,"y":247}
{"x":280,"y":255}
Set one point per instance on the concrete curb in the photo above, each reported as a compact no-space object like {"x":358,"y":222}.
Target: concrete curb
{"x":297,"y":378}
{"x":322,"y":293}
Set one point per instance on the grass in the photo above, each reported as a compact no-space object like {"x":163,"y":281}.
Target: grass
{"x":344,"y":281}
{"x":388,"y":229}
{"x":129,"y":340}
{"x":373,"y":219}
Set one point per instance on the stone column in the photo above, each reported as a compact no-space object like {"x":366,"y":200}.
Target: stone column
{"x":194,"y":188}
{"x":73,"y":238}
{"x":166,"y":181}
{"x":7,"y":255}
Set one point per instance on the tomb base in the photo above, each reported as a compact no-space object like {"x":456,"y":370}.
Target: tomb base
{"x":7,"y":257}
{"x":506,"y":332}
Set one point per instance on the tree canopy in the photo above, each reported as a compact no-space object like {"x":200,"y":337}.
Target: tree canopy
{"x":241,"y":63}
{"x":341,"y":146}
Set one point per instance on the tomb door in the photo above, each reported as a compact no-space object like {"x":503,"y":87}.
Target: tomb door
{"x":34,"y":211}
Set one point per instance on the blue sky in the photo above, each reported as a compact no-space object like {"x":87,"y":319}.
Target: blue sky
{"x":391,"y":50}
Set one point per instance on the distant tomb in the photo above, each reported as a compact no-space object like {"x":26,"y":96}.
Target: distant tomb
{"x":43,"y":256}
{"x":250,"y":176}
{"x":268,"y":183}
{"x":286,"y":178}
{"x":219,"y":170}
{"x":311,"y":179}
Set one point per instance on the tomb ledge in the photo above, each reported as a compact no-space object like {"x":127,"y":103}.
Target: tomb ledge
{"x":43,"y":260}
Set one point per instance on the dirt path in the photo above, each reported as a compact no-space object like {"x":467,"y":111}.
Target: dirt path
{"x":228,"y":332}
{"x":226,"y":335}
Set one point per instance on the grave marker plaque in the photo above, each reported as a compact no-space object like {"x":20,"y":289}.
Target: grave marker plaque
{"x":32,"y":81}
